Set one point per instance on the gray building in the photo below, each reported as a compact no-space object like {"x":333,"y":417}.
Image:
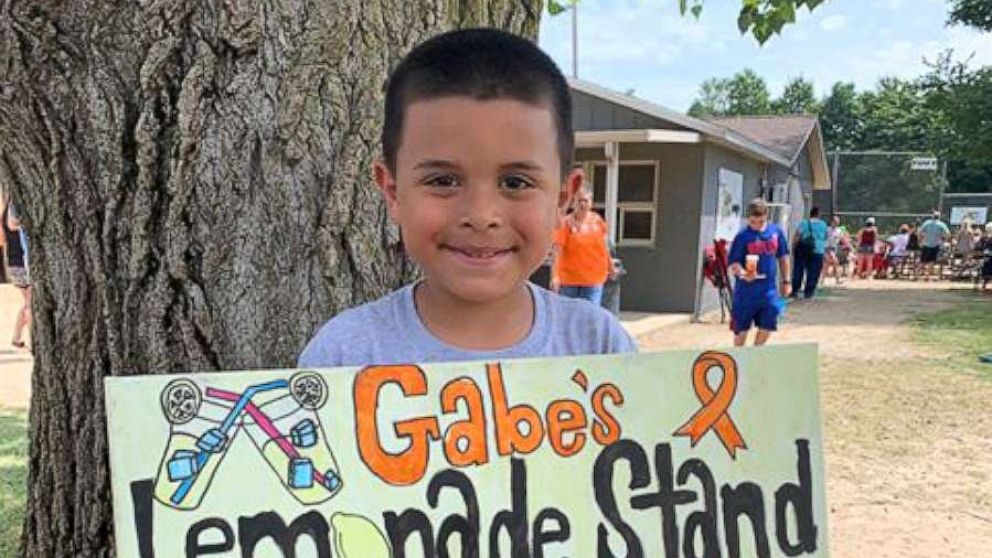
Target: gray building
{"x":669,"y":184}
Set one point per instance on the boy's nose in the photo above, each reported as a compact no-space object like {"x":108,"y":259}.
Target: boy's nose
{"x":480,"y":210}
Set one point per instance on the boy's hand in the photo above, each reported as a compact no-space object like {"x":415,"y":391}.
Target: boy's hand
{"x":785,"y":289}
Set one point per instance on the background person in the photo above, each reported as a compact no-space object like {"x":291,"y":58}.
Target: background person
{"x":866,"y":239}
{"x":756,"y":293}
{"x":933,"y":233}
{"x":831,"y":257}
{"x":581,"y":261}
{"x":809,"y":247}
{"x":17,"y":267}
{"x":897,"y":248}
{"x":964,"y":240}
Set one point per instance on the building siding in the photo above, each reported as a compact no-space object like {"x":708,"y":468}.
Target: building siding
{"x":717,"y":158}
{"x":662,"y":278}
{"x":591,"y":113}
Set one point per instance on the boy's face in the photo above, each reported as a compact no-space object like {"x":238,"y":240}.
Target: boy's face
{"x":757,"y":221}
{"x":475,"y":192}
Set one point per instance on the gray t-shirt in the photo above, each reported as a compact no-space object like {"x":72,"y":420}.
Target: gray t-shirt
{"x":389,"y":331}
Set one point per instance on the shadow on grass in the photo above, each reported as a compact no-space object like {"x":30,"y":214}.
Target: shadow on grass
{"x":965,"y":331}
{"x":13,"y":478}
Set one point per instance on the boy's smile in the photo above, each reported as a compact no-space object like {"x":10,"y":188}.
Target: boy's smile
{"x":475,"y":193}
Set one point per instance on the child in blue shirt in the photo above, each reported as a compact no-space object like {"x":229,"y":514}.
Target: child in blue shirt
{"x":756,"y":294}
{"x":477,"y":144}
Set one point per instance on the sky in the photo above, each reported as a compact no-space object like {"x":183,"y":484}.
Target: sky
{"x":645,"y":45}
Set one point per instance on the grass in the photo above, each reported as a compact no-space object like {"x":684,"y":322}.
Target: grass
{"x":13,"y":478}
{"x":964,"y":331}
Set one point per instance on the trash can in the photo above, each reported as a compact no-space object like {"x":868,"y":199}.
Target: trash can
{"x":611,"y":289}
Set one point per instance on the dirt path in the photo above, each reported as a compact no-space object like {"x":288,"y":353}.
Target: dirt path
{"x":908,"y":440}
{"x":15,"y":364}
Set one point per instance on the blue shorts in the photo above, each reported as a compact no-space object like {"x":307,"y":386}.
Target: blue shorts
{"x":763,"y":315}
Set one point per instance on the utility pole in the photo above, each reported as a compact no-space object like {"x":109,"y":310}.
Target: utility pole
{"x":575,"y":39}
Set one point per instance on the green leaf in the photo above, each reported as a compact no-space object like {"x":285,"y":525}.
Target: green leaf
{"x":555,"y":7}
{"x":697,"y":9}
{"x":745,"y":20}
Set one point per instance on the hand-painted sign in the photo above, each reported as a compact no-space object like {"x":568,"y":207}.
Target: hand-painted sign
{"x":659,"y":455}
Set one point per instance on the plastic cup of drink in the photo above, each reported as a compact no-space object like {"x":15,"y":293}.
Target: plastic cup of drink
{"x":751,"y":264}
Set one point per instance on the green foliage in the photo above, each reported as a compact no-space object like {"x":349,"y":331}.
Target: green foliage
{"x":895,"y":117}
{"x":842,"y":118}
{"x":762,"y":18}
{"x":744,"y":93}
{"x":712,"y":100}
{"x":798,"y":97}
{"x":13,"y":479}
{"x":555,"y":7}
{"x":747,"y":93}
{"x":974,"y":13}
{"x":961,"y":99}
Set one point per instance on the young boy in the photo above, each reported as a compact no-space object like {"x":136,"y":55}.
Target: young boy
{"x":756,"y":293}
{"x":477,"y":143}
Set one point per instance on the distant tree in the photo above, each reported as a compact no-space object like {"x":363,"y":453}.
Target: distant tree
{"x":974,"y":13}
{"x":747,"y":93}
{"x":961,"y":99}
{"x":842,"y":118}
{"x":712,"y":99}
{"x":896,"y":117}
{"x":798,"y":97}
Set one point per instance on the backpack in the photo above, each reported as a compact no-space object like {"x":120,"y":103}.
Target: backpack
{"x":807,"y":245}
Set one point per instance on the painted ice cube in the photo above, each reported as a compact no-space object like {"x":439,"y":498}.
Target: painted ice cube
{"x":304,"y":434}
{"x":183,"y":465}
{"x":331,"y":480}
{"x":212,"y":441}
{"x":300,"y":473}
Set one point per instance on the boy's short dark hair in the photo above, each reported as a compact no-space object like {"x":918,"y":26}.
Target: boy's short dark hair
{"x":482,"y":64}
{"x":815,"y":212}
{"x":757,"y":207}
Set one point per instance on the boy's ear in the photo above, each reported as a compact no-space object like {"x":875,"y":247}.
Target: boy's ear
{"x":387,"y":184}
{"x":573,"y":183}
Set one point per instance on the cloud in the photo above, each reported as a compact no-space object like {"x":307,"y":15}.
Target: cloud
{"x":664,"y":57}
{"x":834,"y":23}
{"x":642,"y":34}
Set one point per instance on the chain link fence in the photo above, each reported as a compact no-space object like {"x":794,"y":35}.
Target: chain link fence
{"x":894,"y":187}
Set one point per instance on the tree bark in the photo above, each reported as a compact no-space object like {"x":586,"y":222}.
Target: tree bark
{"x":195,"y":179}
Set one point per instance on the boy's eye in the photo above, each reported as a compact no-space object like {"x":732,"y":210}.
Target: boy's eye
{"x":516,"y":183}
{"x":442,"y":181}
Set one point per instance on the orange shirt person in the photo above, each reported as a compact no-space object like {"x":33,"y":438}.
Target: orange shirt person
{"x":582,"y":262}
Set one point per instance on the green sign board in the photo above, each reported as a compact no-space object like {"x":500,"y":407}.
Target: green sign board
{"x":655,"y":455}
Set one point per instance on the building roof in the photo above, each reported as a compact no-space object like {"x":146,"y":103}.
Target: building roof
{"x":776,"y":139}
{"x":713,"y":132}
{"x":786,"y":135}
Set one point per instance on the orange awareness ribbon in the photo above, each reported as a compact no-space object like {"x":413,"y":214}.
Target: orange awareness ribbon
{"x":713,"y":414}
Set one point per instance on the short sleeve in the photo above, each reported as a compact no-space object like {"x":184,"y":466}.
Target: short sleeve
{"x":736,"y":255}
{"x":783,"y":245}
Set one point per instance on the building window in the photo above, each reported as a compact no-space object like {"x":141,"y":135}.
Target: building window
{"x":637,"y":200}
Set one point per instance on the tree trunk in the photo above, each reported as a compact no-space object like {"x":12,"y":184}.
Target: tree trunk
{"x":195,"y":179}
